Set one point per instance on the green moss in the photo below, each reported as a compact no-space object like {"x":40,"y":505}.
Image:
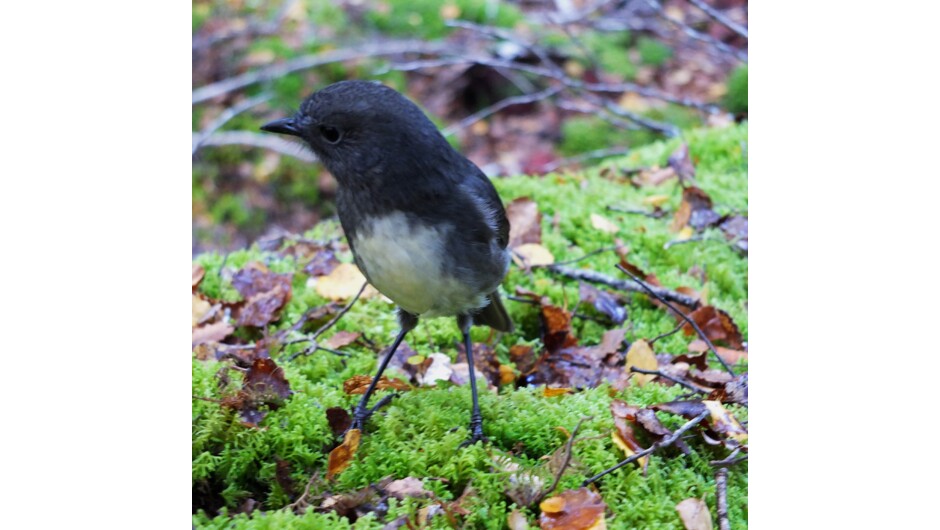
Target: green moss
{"x":423,"y":18}
{"x":736,"y":99}
{"x":652,"y":51}
{"x":413,"y":436}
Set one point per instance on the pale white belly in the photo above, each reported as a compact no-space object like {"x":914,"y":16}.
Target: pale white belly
{"x":404,"y":262}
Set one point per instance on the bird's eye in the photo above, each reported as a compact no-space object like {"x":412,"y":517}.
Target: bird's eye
{"x":330,"y":134}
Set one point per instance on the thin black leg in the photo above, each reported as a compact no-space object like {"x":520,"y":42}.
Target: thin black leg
{"x":476,"y":418}
{"x":362,"y":412}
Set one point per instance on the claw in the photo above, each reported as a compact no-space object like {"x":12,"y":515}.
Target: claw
{"x":476,"y":432}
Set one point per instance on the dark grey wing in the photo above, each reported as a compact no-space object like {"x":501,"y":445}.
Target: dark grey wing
{"x":487,"y":201}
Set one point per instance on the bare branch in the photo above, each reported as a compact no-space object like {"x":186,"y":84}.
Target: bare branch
{"x":665,"y":442}
{"x":567,"y":452}
{"x":672,"y":378}
{"x":225,"y":116}
{"x":263,"y":141}
{"x":721,"y":494}
{"x":738,"y":54}
{"x":596,"y":277}
{"x":306,"y":62}
{"x":597,"y":153}
{"x":500,"y":105}
{"x":720,"y":17}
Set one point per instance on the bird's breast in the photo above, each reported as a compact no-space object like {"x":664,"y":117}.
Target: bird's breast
{"x":406,"y":260}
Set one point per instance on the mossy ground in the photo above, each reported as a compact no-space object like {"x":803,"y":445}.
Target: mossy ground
{"x":413,"y":437}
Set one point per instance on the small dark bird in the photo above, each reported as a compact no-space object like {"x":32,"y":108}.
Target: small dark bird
{"x":425,"y":225}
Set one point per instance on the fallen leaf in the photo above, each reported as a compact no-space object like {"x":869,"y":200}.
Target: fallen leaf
{"x":686,"y":409}
{"x":694,"y":514}
{"x":734,"y":391}
{"x":700,"y":361}
{"x":506,"y":375}
{"x":716,"y":325}
{"x":262,"y":308}
{"x":342,"y":283}
{"x":552,"y":392}
{"x":516,"y":521}
{"x":484,"y":360}
{"x":341,"y":338}
{"x":604,"y":302}
{"x":255,"y":278}
{"x":438,"y":368}
{"x":358,"y":384}
{"x":623,"y":435}
{"x":214,"y":332}
{"x":523,"y":356}
{"x":680,"y":161}
{"x":724,"y":423}
{"x":729,"y":355}
{"x":694,"y":211}
{"x":604,"y":224}
{"x":653,"y":176}
{"x":200,"y":308}
{"x":338,"y":419}
{"x":532,"y":255}
{"x":407,"y":487}
{"x":735,"y":230}
{"x":656,"y":201}
{"x":322,"y":263}
{"x":580,"y":509}
{"x":264,"y":388}
{"x":641,"y":356}
{"x":198,"y":274}
{"x":342,"y":455}
{"x":556,"y":328}
{"x":525,"y":222}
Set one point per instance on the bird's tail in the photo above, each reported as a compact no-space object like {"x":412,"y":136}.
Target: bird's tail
{"x":494,"y":315}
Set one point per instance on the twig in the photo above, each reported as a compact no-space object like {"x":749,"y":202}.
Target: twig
{"x":328,"y":325}
{"x":665,"y":442}
{"x":654,"y":214}
{"x":692,"y":323}
{"x":500,"y":105}
{"x":225,"y":116}
{"x":730,"y":460}
{"x":721,"y":492}
{"x":597,"y":153}
{"x":666,"y":334}
{"x":738,"y":54}
{"x":386,"y":399}
{"x":305,"y":62}
{"x":672,"y":378}
{"x":303,"y":496}
{"x":263,"y":141}
{"x":720,"y":17}
{"x":564,"y":464}
{"x":596,"y":277}
{"x":589,"y":254}
{"x":669,"y":130}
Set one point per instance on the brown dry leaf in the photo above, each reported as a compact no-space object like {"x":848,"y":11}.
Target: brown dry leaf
{"x":630,"y":447}
{"x":436,"y":367}
{"x":506,"y":375}
{"x":695,"y":210}
{"x":686,"y":409}
{"x":200,"y":308}
{"x":735,"y":229}
{"x":523,"y":356}
{"x":342,"y":283}
{"x":342,"y":455}
{"x":214,"y":332}
{"x":525,"y":222}
{"x":339,"y":420}
{"x":604,"y":224}
{"x":262,"y":308}
{"x":729,"y":355}
{"x":264,"y":388}
{"x":623,"y":435}
{"x":716,"y":325}
{"x":358,"y":384}
{"x":322,"y":263}
{"x":604,"y":302}
{"x":680,"y":161}
{"x":724,"y":423}
{"x":653,"y":176}
{"x":407,"y":487}
{"x":532,"y":255}
{"x":641,"y":355}
{"x":694,"y":514}
{"x":516,"y":521}
{"x":580,"y":509}
{"x":552,"y":392}
{"x":198,"y":274}
{"x":556,"y":328}
{"x":341,"y":338}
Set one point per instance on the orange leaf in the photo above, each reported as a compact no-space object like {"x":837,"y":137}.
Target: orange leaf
{"x":358,"y":384}
{"x":552,"y":392}
{"x":342,"y":455}
{"x":580,"y":509}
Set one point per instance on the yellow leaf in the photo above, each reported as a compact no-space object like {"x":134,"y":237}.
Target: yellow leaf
{"x":343,"y":283}
{"x":342,"y":455}
{"x":641,"y":355}
{"x":553,"y":505}
{"x":723,"y":422}
{"x":656,"y":200}
{"x":603,"y":224}
{"x":694,"y":514}
{"x":532,"y":254}
{"x":685,"y":233}
{"x":200,"y":308}
{"x":627,"y":450}
{"x":552,"y":392}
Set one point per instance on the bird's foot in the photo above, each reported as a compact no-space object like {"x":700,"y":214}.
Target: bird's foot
{"x":359,"y":419}
{"x":476,"y":432}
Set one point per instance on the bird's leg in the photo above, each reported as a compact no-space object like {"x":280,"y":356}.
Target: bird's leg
{"x":476,"y":419}
{"x":362,"y":412}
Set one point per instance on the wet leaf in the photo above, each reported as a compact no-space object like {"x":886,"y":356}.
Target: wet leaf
{"x":200,"y":308}
{"x":264,"y":388}
{"x":734,"y":391}
{"x":580,"y":509}
{"x":723,"y":423}
{"x":260,"y":309}
{"x":716,"y":325}
{"x":516,"y":521}
{"x":679,"y":161}
{"x":641,"y":356}
{"x":532,"y":255}
{"x":255,"y":278}
{"x":729,"y":355}
{"x":623,"y":435}
{"x":604,"y":224}
{"x":653,"y":176}
{"x":525,"y":222}
{"x":686,"y":409}
{"x":552,"y":392}
{"x":710,"y":378}
{"x":523,"y":356}
{"x":215,"y":332}
{"x":735,"y":229}
{"x":340,"y":339}
{"x":647,"y":419}
{"x":695,"y":211}
{"x":700,"y":361}
{"x":339,"y":420}
{"x":343,"y":454}
{"x":358,"y":384}
{"x":322,"y":263}
{"x":604,"y":302}
{"x":556,"y":328}
{"x":694,"y":514}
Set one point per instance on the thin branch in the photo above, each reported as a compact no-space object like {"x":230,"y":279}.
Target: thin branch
{"x":665,"y":442}
{"x":263,"y":141}
{"x":591,"y":253}
{"x":668,"y":333}
{"x":691,"y":322}
{"x":567,"y":452}
{"x":225,"y":116}
{"x":327,"y":326}
{"x":720,"y":17}
{"x":254,"y":29}
{"x":500,"y":105}
{"x":738,"y":54}
{"x":672,"y":378}
{"x":590,"y":155}
{"x":275,"y":71}
{"x":668,"y":130}
{"x":721,"y":492}
{"x":596,"y":277}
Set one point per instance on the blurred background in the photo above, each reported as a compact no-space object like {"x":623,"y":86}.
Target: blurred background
{"x":526,"y":87}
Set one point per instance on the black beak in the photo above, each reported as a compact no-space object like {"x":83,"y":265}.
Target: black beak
{"x":282,"y":126}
